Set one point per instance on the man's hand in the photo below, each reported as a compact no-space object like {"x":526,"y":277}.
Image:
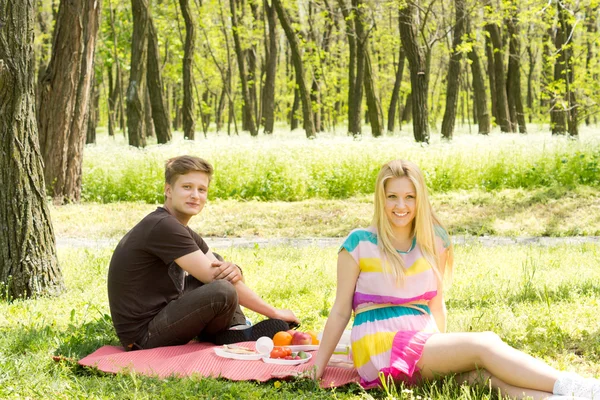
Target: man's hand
{"x":286,"y":315}
{"x":226,"y":270}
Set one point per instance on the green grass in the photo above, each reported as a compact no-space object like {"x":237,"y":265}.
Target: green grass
{"x":550,"y":211}
{"x":542,"y":300}
{"x":292,"y":168}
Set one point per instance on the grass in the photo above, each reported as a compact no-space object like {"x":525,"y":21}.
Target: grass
{"x":292,"y":168}
{"x":550,"y":211}
{"x":542,"y":300}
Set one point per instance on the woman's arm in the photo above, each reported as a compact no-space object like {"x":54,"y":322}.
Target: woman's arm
{"x":347,"y":274}
{"x":437,"y":305}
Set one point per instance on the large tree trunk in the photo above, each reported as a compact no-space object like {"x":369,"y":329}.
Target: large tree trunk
{"x":136,"y":92}
{"x":354,"y":122}
{"x":558,"y":120}
{"x":251,"y":53}
{"x":499,"y":79}
{"x":452,"y":80}
{"x":28,"y":263}
{"x":160,"y":117}
{"x":268,"y":97}
{"x":65,"y":98}
{"x":247,"y":105}
{"x":515,"y":100}
{"x":189,"y":121}
{"x":298,"y":67}
{"x":419,"y":74}
{"x":591,"y":24}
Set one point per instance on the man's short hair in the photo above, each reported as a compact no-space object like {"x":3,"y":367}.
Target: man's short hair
{"x":184,"y":164}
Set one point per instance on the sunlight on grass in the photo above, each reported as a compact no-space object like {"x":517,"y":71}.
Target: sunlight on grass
{"x":539,"y":299}
{"x":509,"y":212}
{"x":291,"y":168}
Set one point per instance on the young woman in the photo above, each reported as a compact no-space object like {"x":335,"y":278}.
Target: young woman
{"x":391,"y":275}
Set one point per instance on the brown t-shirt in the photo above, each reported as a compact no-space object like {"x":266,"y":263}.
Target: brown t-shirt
{"x":143,"y":277}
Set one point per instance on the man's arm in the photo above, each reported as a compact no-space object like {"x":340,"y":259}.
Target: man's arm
{"x":198,"y":265}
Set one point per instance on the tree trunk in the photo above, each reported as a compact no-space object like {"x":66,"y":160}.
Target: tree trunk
{"x":148,"y":121}
{"x":532,"y":61}
{"x":160,"y":117}
{"x":189,"y":121}
{"x":373,"y":105}
{"x":349,"y":15}
{"x":354,"y":122}
{"x":92,"y":112}
{"x":569,"y":75}
{"x":452,"y":80}
{"x":136,"y":93}
{"x":65,"y":98}
{"x":558,"y":122}
{"x":247,"y":110}
{"x":591,"y":24}
{"x":268,"y":99}
{"x":499,"y":79}
{"x":396,"y":91}
{"x":28,"y":263}
{"x":119,"y":76}
{"x":489,"y":53}
{"x":111,"y":101}
{"x":479,"y":94}
{"x":515,"y":100}
{"x":299,"y":68}
{"x":419,"y":74}
{"x":294,"y":110}
{"x":252,"y":67}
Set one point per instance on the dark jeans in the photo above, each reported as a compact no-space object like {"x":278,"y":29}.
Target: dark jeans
{"x":201,"y":312}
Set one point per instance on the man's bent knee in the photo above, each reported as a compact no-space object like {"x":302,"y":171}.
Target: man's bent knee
{"x":224,"y":291}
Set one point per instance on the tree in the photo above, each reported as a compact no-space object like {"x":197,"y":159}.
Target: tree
{"x":189,"y":120}
{"x":479,"y":93}
{"x":298,"y":67}
{"x":419,"y":72}
{"x":28,"y":263}
{"x":155,"y":88}
{"x":136,"y":92}
{"x":248,"y":122}
{"x":452,"y":81}
{"x":515,"y":101}
{"x":65,"y":98}
{"x":268,"y":94}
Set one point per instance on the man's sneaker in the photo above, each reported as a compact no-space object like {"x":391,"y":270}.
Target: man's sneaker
{"x":268,"y":327}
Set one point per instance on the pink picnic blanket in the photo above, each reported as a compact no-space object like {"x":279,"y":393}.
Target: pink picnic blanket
{"x":200,"y":358}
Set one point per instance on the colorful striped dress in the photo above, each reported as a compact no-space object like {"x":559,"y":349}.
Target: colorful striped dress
{"x":387,"y":336}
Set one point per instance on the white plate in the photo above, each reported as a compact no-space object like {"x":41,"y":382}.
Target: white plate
{"x":248,"y":357}
{"x":303,"y":347}
{"x":283,"y":361}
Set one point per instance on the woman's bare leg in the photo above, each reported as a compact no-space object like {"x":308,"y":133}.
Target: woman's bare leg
{"x":446,"y":353}
{"x":482,"y":377}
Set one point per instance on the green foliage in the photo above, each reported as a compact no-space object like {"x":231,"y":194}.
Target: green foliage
{"x":291,"y":169}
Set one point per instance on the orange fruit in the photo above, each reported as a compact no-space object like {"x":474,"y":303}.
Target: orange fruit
{"x":313,"y":335}
{"x":282,"y":338}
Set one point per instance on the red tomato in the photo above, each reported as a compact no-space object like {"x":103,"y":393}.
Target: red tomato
{"x":278,"y":352}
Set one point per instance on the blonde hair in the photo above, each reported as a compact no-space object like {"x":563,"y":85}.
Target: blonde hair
{"x":423,"y":225}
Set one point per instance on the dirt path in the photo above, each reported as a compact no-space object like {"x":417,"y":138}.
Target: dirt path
{"x":219,"y":243}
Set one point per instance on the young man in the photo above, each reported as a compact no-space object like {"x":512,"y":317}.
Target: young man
{"x":165,"y":286}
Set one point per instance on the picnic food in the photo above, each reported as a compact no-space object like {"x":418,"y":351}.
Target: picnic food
{"x":314,"y":337}
{"x":282,"y":338}
{"x":301,"y":338}
{"x":286,"y":354}
{"x":238,"y":350}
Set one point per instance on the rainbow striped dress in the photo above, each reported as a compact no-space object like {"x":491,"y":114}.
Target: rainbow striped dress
{"x":386,"y":336}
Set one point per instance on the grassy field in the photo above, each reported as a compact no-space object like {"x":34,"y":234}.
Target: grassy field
{"x":541,"y":300}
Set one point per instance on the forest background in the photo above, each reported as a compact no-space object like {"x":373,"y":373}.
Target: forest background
{"x":495,"y":100}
